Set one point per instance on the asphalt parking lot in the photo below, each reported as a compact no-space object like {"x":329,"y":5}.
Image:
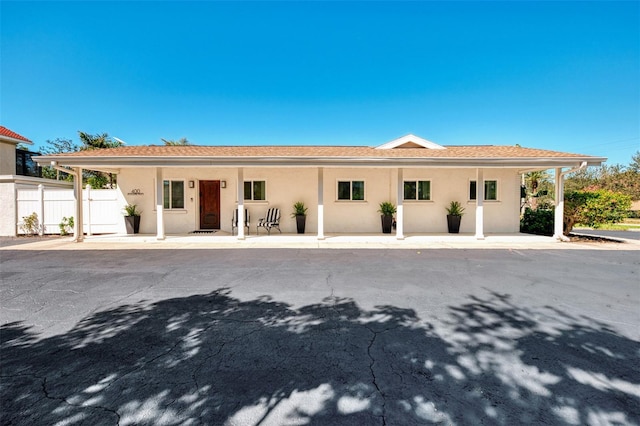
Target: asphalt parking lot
{"x":321,"y":337}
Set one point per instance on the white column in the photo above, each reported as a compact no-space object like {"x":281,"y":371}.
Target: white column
{"x":240,"y":195}
{"x":88,"y":191}
{"x":78,"y":225}
{"x":159,"y":204}
{"x":41,"y":208}
{"x":400,"y":207}
{"x":479,"y":204}
{"x":320,"y":203}
{"x":558,"y":219}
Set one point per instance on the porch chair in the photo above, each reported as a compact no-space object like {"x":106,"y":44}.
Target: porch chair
{"x":271,"y":220}
{"x":234,"y":220}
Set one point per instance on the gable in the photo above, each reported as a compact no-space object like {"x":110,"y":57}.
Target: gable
{"x":410,"y":141}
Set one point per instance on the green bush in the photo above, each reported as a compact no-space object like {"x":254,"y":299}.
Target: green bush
{"x":30,"y":224}
{"x":539,"y":222}
{"x":66,"y":225}
{"x":593,"y":208}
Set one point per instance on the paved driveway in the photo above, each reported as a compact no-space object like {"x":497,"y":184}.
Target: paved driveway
{"x":335,"y":337}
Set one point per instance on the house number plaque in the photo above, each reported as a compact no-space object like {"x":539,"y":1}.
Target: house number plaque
{"x":135,"y":191}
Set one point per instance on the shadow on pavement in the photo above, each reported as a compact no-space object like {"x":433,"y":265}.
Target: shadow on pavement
{"x":213,"y":359}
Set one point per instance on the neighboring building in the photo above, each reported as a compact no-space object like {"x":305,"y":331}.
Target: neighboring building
{"x":185,"y":188}
{"x":17,"y":170}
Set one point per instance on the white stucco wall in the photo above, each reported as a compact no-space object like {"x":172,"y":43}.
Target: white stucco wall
{"x":8,"y":218}
{"x":285,"y":186}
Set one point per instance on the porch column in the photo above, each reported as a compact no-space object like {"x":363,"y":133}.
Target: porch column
{"x":159,"y":204}
{"x":320,"y":203}
{"x":479,"y":204}
{"x":558,"y":219}
{"x":41,"y":217}
{"x":400,"y":208}
{"x":78,"y":228}
{"x":240,"y":195}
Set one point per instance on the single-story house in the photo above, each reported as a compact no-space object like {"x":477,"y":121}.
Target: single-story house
{"x":18,"y":170}
{"x":185,"y":188}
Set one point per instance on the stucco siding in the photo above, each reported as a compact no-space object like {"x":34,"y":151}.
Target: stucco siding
{"x":7,"y":158}
{"x":285,"y":186}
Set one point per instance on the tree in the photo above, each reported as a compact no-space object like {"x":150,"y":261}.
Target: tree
{"x":57,"y":146}
{"x":179,"y":142}
{"x":594,"y":208}
{"x":538,"y":186}
{"x":616,"y":178}
{"x":98,"y":141}
{"x":634,"y":166}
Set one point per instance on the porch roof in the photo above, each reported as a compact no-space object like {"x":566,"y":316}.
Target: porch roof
{"x":321,"y":156}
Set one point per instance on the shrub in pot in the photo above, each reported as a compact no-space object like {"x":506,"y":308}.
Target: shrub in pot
{"x":132,"y":218}
{"x":454,"y":216}
{"x":300,"y":213}
{"x":387,"y":209}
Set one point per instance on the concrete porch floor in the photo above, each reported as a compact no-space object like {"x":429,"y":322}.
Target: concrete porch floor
{"x":222,"y":239}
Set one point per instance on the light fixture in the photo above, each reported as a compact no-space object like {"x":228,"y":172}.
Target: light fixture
{"x":192,"y":184}
{"x":223,"y":184}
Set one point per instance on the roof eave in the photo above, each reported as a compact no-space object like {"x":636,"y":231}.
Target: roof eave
{"x":182,"y":161}
{"x":15,"y":140}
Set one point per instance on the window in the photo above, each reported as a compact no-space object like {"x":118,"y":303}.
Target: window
{"x":351,"y":190}
{"x":417,"y":190}
{"x":255,"y":190}
{"x":174,"y":194}
{"x":25,"y":165}
{"x":490,"y":190}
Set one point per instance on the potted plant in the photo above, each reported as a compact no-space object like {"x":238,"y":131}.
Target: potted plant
{"x":454,"y":215}
{"x":132,"y":218}
{"x":387,"y":209}
{"x":300,"y":213}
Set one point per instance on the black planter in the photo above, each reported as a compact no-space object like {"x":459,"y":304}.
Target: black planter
{"x":132,"y":224}
{"x":301,"y":221}
{"x":387,"y":223}
{"x":453,"y":222}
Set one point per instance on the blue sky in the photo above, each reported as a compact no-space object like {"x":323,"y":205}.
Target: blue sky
{"x":553,"y":75}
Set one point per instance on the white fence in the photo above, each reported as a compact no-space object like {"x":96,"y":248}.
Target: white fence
{"x":101,"y":209}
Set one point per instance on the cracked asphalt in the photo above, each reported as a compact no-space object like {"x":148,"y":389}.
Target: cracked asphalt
{"x":319,"y":337}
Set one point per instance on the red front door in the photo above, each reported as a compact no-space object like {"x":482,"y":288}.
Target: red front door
{"x":209,"y":204}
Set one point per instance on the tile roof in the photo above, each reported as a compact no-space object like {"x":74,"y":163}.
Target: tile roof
{"x":310,"y":152}
{"x":6,"y":133}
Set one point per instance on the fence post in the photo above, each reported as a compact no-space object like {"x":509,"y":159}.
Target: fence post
{"x":88,"y":193}
{"x":41,"y":209}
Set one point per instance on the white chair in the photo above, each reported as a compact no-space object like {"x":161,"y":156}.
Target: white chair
{"x":271,"y":220}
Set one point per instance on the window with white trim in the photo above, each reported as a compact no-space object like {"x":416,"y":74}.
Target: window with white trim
{"x":419,"y":190}
{"x":490,"y":190}
{"x":255,"y":190}
{"x":350,"y":190}
{"x":173,"y":195}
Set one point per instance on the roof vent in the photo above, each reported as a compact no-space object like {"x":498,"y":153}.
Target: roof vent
{"x":410,"y":141}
